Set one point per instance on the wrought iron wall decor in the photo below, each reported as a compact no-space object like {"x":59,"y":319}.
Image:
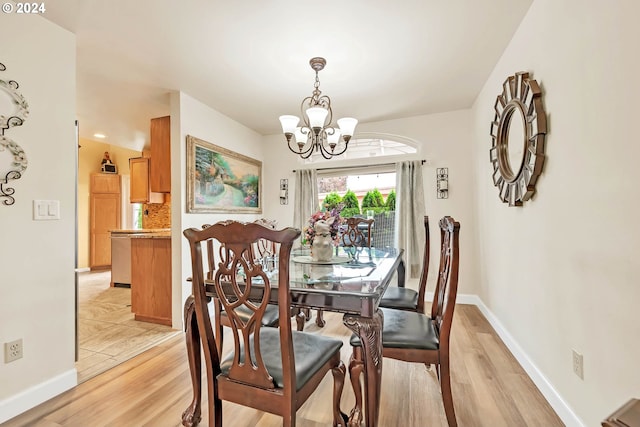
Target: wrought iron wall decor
{"x":16,"y":116}
{"x":518,"y":133}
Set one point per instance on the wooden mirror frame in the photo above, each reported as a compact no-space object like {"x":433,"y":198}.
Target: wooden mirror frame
{"x":520,"y":95}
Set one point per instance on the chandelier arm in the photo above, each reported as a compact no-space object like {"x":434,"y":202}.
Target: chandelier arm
{"x":303,"y":110}
{"x":337,"y":153}
{"x":326,"y":154}
{"x":305,"y":153}
{"x":325,"y":102}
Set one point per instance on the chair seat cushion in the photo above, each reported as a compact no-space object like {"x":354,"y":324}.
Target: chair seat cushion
{"x":311,"y":353}
{"x":405,"y":329}
{"x":270,"y":317}
{"x":400,"y":298}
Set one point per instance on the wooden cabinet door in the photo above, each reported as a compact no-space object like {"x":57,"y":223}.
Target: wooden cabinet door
{"x":139,"y":191}
{"x":105,"y":183}
{"x":139,"y":172}
{"x":161,"y":155}
{"x":104,"y":217}
{"x":151,"y":280}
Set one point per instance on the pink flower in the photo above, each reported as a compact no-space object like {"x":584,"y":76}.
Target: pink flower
{"x":309,"y":231}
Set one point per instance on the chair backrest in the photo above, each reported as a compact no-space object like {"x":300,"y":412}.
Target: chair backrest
{"x":354,"y":235}
{"x":444,"y":298}
{"x":264,"y":247}
{"x":260,"y":248}
{"x":422,"y":288}
{"x":238,"y":280}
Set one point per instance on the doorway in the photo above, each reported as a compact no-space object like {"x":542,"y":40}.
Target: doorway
{"x":106,"y":332}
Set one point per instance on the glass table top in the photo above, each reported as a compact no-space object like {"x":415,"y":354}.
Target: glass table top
{"x":352,"y":283}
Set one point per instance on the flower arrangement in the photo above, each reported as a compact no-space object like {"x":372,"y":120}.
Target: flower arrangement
{"x":332,"y":217}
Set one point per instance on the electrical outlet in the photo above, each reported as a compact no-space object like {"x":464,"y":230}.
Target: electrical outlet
{"x":12,"y":351}
{"x":578,"y":365}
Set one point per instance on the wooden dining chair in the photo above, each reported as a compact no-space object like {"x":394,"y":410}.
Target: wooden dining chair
{"x":353,"y":235}
{"x":270,"y":369}
{"x":401,"y":298}
{"x":416,"y":337}
{"x":259,"y":249}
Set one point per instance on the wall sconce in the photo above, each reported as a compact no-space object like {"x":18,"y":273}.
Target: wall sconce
{"x":284,"y":191}
{"x":442,"y":181}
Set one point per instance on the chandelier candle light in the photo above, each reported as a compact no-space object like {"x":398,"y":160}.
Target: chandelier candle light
{"x":317,"y":133}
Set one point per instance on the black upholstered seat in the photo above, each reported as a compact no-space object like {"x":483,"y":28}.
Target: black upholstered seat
{"x":311,"y":352}
{"x":405,"y":329}
{"x":270,"y":317}
{"x":400,"y":298}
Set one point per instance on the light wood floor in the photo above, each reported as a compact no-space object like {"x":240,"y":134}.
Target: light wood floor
{"x":489,"y":389}
{"x":107,"y":332}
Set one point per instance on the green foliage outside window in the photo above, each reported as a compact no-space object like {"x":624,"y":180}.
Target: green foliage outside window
{"x":351,"y":205}
{"x":331,"y":201}
{"x":391,"y":201}
{"x":373,"y":199}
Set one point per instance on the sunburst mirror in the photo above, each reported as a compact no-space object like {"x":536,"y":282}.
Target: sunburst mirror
{"x":518,"y":132}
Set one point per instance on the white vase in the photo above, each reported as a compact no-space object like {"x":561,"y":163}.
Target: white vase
{"x":322,"y":249}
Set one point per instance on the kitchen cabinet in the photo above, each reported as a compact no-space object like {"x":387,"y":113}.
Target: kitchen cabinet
{"x":151,"y":278}
{"x":104,"y":215}
{"x":161,"y":154}
{"x":140,"y":191}
{"x":105,"y":183}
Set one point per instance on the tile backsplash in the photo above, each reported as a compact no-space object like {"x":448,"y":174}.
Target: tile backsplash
{"x":157,"y":215}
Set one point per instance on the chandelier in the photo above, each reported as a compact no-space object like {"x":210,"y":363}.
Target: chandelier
{"x":317,"y":134}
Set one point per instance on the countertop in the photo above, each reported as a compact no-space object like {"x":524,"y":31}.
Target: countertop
{"x":147,"y":233}
{"x":142,"y":230}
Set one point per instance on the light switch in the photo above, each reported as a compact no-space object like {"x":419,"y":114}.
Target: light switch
{"x":53,"y":209}
{"x":46,"y":210}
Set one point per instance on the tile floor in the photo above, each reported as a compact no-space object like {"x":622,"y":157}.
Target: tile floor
{"x":107,"y":333}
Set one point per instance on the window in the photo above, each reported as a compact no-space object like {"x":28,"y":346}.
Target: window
{"x":368,"y":184}
{"x":365,"y":191}
{"x":365,"y":147}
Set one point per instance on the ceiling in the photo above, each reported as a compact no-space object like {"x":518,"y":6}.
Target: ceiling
{"x":249,"y":59}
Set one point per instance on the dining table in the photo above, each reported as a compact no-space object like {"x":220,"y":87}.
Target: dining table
{"x":352,"y":283}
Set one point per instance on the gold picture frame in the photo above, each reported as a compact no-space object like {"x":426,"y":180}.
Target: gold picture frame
{"x":221,"y":180}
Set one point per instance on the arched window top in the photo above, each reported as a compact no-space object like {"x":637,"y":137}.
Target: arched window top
{"x":365,"y":145}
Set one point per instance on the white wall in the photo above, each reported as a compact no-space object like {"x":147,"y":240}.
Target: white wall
{"x":37,"y":257}
{"x":191,"y":117}
{"x":445,"y":140}
{"x":561,"y":272}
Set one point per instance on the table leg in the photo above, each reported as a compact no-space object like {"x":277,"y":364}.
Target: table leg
{"x":370,"y":332}
{"x":192,"y":415}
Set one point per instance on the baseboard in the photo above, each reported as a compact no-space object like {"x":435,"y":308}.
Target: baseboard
{"x":556,"y":401}
{"x":23,"y":401}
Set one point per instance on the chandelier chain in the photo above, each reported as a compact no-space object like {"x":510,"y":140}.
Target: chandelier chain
{"x":316,"y":91}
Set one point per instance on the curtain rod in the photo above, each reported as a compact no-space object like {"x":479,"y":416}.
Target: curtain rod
{"x":361,"y":166}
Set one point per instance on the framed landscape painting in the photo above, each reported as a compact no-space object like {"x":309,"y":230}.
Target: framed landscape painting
{"x":221,"y":180}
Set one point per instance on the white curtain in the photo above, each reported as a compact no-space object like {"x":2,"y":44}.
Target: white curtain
{"x":410,"y":211}
{"x":306,"y":197}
